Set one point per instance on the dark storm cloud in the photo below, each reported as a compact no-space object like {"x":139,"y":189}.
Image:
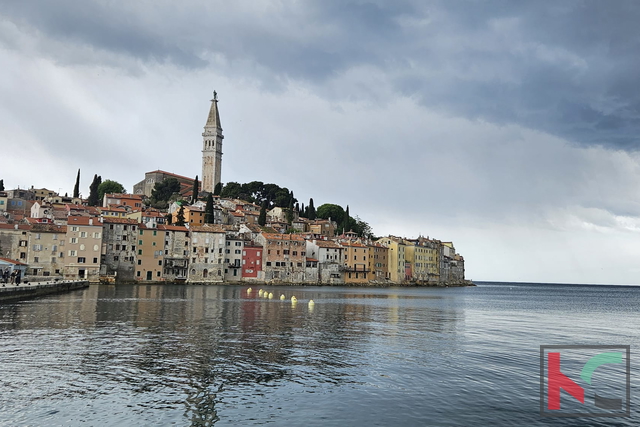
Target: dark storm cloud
{"x":567,"y":68}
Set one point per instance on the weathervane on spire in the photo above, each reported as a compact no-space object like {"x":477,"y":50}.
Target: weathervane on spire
{"x":215,"y":95}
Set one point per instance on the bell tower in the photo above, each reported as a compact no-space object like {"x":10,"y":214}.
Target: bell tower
{"x":212,"y":148}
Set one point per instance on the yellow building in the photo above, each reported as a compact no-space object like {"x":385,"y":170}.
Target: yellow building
{"x":356,"y":262}
{"x":418,"y":257}
{"x":193,"y":215}
{"x":396,"y":257}
{"x":150,"y":255}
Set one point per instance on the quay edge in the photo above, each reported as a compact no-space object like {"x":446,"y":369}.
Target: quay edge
{"x":32,"y":290}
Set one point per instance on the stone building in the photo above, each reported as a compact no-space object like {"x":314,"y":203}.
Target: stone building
{"x":284,"y":257}
{"x":119,"y":248}
{"x":206,"y":264}
{"x":176,"y":252}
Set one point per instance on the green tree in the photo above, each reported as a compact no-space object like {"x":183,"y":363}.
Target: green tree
{"x":169,"y":218}
{"x":110,"y":187}
{"x":262,"y":219}
{"x":195,"y":190}
{"x":208,"y":211}
{"x":180,"y":216}
{"x":218,"y":189}
{"x":328,"y":210}
{"x":163,"y":191}
{"x":345,"y":221}
{"x":76,"y":188}
{"x":289,"y":212}
{"x":362,"y":228}
{"x":93,"y":199}
{"x":231,"y":190}
{"x":1,"y":184}
{"x":312,"y":211}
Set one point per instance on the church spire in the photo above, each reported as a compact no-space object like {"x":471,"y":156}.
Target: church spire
{"x":214,"y":117}
{"x":212,"y":148}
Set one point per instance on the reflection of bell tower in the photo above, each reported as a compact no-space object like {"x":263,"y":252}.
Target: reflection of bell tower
{"x":212,"y":148}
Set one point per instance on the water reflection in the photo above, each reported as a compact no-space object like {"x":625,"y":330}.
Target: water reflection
{"x":201,"y":354}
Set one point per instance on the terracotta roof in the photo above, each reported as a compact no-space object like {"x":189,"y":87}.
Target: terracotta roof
{"x":12,"y":261}
{"x":13,"y":226}
{"x":278,"y":236}
{"x":49,"y":228}
{"x":84,"y":220}
{"x":172,"y":227}
{"x":172,"y":174}
{"x":327,"y":244}
{"x":111,"y":220}
{"x":208,"y":228}
{"x":124,"y":196}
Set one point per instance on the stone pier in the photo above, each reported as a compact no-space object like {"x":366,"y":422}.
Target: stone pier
{"x":9,"y":292}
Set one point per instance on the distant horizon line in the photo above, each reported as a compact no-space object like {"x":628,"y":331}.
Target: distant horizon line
{"x":553,"y":283}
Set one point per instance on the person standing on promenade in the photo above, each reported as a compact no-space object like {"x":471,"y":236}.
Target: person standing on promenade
{"x":13,"y":276}
{"x":18,"y":275}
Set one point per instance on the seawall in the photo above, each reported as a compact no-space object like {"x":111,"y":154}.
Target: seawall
{"x":10,"y":292}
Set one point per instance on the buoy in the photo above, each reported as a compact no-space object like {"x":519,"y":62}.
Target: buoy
{"x":311,"y":302}
{"x":294,"y":299}
{"x":270,"y":295}
{"x":249,"y":290}
{"x":260,"y":292}
{"x":282,"y":297}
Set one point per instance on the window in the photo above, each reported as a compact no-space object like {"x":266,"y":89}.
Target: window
{"x":36,"y":259}
{"x":299,"y":264}
{"x":268,"y":263}
{"x":295,"y":253}
{"x":139,"y":262}
{"x":160,"y":262}
{"x":96,"y":235}
{"x":285,"y":252}
{"x":37,"y":236}
{"x":23,"y":255}
{"x":227,"y":251}
{"x":83,"y":234}
{"x":139,"y":251}
{"x":138,"y":273}
{"x":238,"y":243}
{"x":76,"y":228}
{"x":53,"y":260}
{"x":116,"y":258}
{"x":82,"y":260}
{"x":238,"y":251}
{"x":73,"y":253}
{"x":140,"y":242}
{"x":158,"y":274}
{"x":73,"y":240}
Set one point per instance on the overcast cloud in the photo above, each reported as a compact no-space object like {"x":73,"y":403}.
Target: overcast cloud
{"x":511,"y":128}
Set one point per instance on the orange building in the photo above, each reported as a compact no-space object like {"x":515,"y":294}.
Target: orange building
{"x":150,"y":257}
{"x":356,"y":262}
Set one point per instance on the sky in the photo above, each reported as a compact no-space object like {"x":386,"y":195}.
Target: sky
{"x":509,"y":128}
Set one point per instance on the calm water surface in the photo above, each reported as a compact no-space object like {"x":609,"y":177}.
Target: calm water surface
{"x":205,"y":355}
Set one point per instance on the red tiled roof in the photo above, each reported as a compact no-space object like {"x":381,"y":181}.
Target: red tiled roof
{"x":112,"y":220}
{"x":12,"y":261}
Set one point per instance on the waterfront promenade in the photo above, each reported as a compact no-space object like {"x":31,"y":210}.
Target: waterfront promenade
{"x":10,"y":291}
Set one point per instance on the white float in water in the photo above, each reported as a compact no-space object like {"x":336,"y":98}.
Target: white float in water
{"x":282,"y":297}
{"x":270,"y":295}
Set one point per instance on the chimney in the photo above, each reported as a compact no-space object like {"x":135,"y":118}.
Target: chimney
{"x":90,"y":221}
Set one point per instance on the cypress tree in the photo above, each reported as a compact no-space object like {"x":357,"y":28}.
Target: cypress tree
{"x":208,"y":211}
{"x":218,"y":189}
{"x":180,"y":216}
{"x":290,"y":211}
{"x":1,"y":184}
{"x":93,"y":191}
{"x":303,"y":211}
{"x":196,"y":190}
{"x":169,"y":218}
{"x":346,"y":220}
{"x":312,"y":210}
{"x":262,"y":219}
{"x":76,"y":188}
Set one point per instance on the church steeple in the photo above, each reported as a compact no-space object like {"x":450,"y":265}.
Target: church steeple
{"x":214,"y":117}
{"x":212,"y":148}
